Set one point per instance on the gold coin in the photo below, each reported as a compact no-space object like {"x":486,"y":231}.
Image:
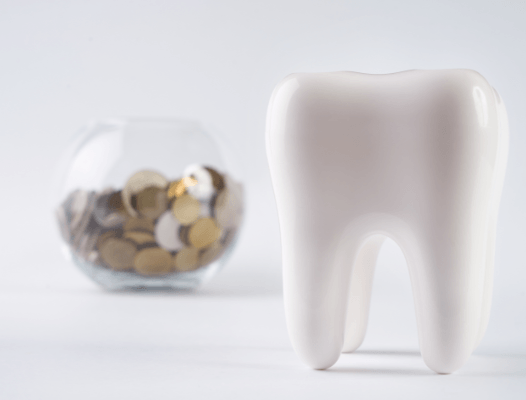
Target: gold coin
{"x":139,"y":237}
{"x":118,"y":254}
{"x":152,"y":202}
{"x":186,"y":259}
{"x":139,"y":224}
{"x":203,"y":233}
{"x":186,"y":209}
{"x":106,"y":235}
{"x":178,"y":188}
{"x":189,"y":181}
{"x":211,"y":254}
{"x":153,"y":261}
{"x":217,"y":179}
{"x":175,"y":189}
{"x":137,"y":183}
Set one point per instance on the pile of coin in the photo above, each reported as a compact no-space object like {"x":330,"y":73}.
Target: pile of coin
{"x":154,"y":226}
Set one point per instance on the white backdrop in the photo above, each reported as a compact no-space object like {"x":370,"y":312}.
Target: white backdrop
{"x":63,"y":63}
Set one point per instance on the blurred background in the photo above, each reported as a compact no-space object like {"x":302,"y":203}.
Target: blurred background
{"x":64,"y":63}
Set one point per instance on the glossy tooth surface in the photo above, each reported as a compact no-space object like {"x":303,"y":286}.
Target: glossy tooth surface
{"x":417,"y":156}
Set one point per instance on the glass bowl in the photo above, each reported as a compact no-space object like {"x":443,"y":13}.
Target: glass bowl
{"x":148,"y":203}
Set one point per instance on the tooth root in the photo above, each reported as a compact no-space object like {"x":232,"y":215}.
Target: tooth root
{"x":360,"y":293}
{"x":325,"y":314}
{"x":488,"y":281}
{"x":315,"y":288}
{"x":447,"y":287}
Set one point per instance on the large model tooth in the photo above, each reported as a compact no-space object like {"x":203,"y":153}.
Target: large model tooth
{"x":417,"y":156}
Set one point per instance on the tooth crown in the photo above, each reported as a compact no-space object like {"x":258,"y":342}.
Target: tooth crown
{"x":417,"y":156}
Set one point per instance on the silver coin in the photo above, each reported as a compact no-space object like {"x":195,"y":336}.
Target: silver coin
{"x":106,"y":215}
{"x":167,"y":232}
{"x":203,"y":189}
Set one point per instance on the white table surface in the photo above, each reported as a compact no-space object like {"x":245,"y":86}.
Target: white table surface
{"x":226,"y":341}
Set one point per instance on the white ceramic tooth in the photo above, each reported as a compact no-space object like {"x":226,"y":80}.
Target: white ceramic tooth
{"x":417,"y":156}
